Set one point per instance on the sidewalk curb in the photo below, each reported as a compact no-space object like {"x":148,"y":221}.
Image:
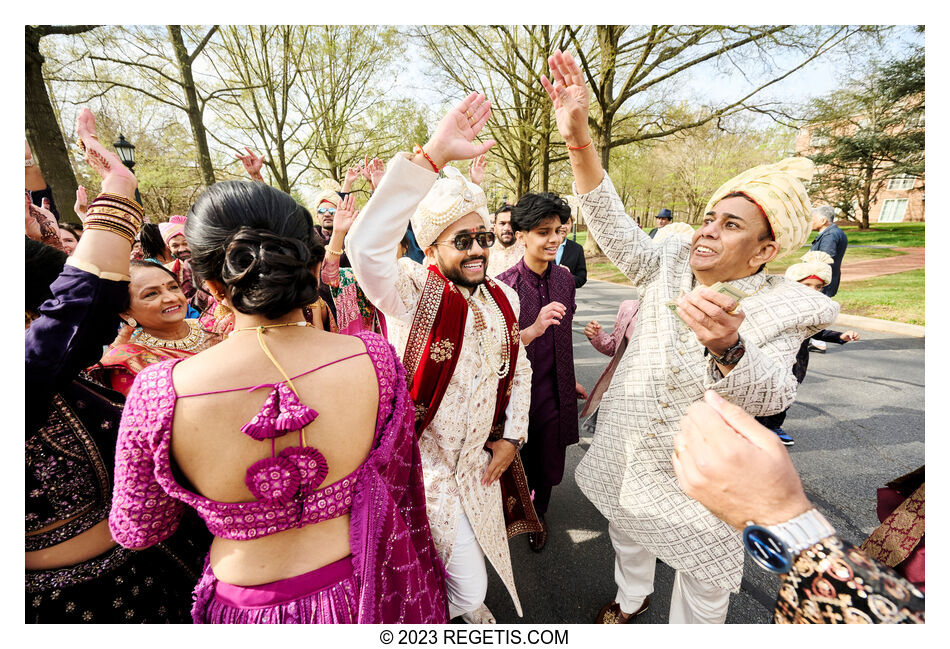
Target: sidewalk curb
{"x":886,"y":326}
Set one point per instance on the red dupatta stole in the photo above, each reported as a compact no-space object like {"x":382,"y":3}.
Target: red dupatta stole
{"x":432,"y":352}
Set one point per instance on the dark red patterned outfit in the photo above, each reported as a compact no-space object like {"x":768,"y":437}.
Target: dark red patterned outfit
{"x":552,"y":422}
{"x":834,"y":582}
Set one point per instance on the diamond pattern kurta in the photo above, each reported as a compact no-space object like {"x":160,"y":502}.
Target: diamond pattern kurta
{"x":627,"y":472}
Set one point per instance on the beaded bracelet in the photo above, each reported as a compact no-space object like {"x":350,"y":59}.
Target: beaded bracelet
{"x":331,"y":251}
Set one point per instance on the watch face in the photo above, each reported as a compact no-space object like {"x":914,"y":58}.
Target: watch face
{"x":766,"y":549}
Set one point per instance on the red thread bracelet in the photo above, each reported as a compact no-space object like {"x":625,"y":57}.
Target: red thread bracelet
{"x":578,"y":148}
{"x":419,"y":149}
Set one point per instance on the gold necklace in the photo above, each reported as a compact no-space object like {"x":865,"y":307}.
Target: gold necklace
{"x":261,"y":328}
{"x":189,"y":343}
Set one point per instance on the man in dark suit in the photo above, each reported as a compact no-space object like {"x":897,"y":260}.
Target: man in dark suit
{"x":663,"y":219}
{"x":570,"y":254}
{"x":830,"y":239}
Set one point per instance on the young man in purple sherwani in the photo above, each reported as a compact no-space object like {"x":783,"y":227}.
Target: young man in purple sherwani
{"x":546,"y":292}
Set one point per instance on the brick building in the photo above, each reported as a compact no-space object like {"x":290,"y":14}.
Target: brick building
{"x":901,"y":199}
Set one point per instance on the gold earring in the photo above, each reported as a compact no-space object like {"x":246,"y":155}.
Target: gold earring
{"x":222,"y":310}
{"x":129,"y":320}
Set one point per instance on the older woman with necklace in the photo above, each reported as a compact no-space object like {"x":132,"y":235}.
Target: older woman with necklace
{"x":155,"y":328}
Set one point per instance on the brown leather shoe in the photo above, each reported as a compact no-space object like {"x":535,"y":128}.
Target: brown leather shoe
{"x":537,"y":540}
{"x":611,"y":613}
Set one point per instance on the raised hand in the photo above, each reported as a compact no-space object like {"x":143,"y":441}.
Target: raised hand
{"x":116,"y":177}
{"x":40,"y":225}
{"x":352,"y":173}
{"x":345,"y":215}
{"x":82,"y":203}
{"x":375,"y":169}
{"x":593,"y":329}
{"x":364,"y":169}
{"x":570,"y":96}
{"x":252,"y":164}
{"x":477,"y":171}
{"x":454,"y":136}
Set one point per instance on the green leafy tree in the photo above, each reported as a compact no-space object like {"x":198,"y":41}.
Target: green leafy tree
{"x":867,"y":132}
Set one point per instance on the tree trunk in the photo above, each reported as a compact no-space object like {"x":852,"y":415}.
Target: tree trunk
{"x":44,"y":134}
{"x":193,"y":106}
{"x":864,"y":203}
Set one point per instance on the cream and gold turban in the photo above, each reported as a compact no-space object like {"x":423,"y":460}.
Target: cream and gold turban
{"x":814,"y":262}
{"x":779,"y":192}
{"x":450,"y":199}
{"x":677,"y":228}
{"x":328,"y":192}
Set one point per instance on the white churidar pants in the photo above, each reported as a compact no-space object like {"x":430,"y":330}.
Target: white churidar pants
{"x":693,"y":601}
{"x":467,"y":578}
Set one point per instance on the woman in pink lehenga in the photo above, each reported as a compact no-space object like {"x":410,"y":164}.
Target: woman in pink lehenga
{"x":295,"y":445}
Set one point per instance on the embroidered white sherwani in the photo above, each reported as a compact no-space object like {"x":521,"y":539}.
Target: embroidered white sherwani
{"x":502,"y":258}
{"x":452,"y":447}
{"x":627,"y":472}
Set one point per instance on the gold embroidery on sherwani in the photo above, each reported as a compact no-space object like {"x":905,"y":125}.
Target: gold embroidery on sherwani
{"x":453,"y":451}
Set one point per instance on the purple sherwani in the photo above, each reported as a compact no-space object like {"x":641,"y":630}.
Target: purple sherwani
{"x":552,"y":423}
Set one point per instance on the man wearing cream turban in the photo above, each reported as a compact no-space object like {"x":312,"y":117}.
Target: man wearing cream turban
{"x":744,"y":353}
{"x":815,"y":272}
{"x":327,"y":201}
{"x":458,"y":335}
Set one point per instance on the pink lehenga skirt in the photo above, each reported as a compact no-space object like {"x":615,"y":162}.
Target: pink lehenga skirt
{"x":327,"y":595}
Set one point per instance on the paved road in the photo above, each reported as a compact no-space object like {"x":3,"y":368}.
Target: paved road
{"x":858,"y":422}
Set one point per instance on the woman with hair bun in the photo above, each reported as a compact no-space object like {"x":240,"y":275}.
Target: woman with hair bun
{"x":295,"y":445}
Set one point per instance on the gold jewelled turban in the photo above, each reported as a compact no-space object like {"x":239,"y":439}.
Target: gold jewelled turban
{"x":450,"y":199}
{"x":814,"y":262}
{"x":779,"y":191}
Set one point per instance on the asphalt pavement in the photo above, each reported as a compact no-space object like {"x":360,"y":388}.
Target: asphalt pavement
{"x":858,"y":422}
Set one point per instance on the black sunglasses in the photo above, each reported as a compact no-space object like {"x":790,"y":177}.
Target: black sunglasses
{"x":464,"y":240}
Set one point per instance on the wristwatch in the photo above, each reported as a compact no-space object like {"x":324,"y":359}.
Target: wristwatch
{"x":774,"y":547}
{"x":732,"y":355}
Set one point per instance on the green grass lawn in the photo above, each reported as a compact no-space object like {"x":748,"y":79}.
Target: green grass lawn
{"x":898,"y":297}
{"x":901,"y":235}
{"x":850,"y":255}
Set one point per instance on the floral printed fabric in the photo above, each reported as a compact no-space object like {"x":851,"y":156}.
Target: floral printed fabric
{"x":835,"y":583}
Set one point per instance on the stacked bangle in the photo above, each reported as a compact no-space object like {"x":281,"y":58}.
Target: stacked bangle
{"x":115,"y":213}
{"x":419,"y":149}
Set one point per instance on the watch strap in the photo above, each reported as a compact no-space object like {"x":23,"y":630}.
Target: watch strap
{"x":803,"y":531}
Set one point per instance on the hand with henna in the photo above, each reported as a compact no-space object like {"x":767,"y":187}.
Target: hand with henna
{"x":252,"y":164}
{"x":116,"y":177}
{"x":41,"y":225}
{"x":82,"y":203}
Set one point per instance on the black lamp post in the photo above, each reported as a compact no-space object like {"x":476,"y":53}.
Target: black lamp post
{"x":126,"y":151}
